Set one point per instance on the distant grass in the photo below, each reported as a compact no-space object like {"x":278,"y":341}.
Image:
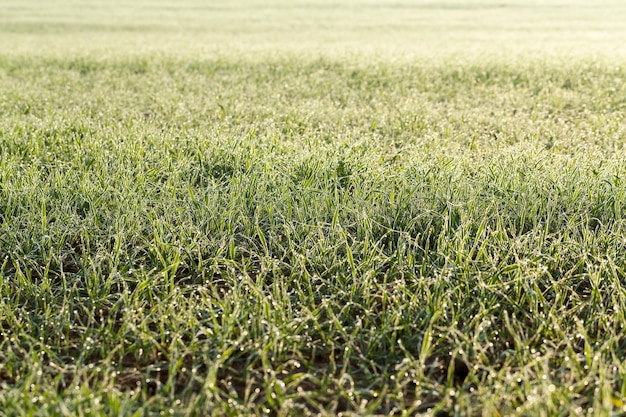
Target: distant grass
{"x":289,"y":236}
{"x":395,"y":30}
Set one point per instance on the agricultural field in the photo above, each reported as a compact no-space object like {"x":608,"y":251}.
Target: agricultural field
{"x":299,"y":207}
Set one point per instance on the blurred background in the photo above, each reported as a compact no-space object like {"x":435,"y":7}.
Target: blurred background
{"x":394,"y":28}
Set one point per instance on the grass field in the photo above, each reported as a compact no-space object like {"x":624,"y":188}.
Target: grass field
{"x":302,"y":208}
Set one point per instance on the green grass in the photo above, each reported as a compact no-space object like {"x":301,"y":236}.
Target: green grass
{"x":258,"y":228}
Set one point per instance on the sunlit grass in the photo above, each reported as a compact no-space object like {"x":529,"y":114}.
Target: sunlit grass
{"x":301,"y":234}
{"x":350,"y":29}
